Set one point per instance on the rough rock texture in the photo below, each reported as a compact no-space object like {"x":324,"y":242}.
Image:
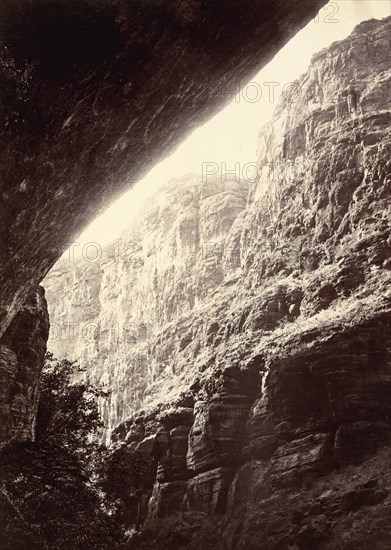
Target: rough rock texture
{"x":266,"y":394}
{"x":22,"y":352}
{"x":93,"y":93}
{"x":119,"y":314}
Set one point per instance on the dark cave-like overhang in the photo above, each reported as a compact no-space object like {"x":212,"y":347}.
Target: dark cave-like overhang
{"x":95,"y":92}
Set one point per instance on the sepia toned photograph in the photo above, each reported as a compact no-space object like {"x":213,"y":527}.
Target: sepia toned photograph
{"x":195,"y":275}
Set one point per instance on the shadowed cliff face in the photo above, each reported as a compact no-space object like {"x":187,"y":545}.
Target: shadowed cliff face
{"x":94,"y":93}
{"x":22,"y":352}
{"x":265,"y":380}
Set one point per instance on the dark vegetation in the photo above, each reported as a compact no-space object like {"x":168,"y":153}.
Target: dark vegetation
{"x":65,"y":491}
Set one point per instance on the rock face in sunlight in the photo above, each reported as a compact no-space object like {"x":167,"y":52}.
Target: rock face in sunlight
{"x":22,"y":352}
{"x":252,"y":323}
{"x":120,"y":314}
{"x":94,"y":93}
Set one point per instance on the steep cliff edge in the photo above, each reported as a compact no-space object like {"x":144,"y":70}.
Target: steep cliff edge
{"x":257,"y":365}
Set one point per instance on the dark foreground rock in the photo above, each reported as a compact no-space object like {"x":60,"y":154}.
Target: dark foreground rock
{"x":22,"y":353}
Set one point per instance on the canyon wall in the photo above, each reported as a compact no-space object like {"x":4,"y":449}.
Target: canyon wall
{"x":117,"y":309}
{"x":243,"y":328}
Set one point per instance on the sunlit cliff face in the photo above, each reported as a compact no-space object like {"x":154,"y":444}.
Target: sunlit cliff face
{"x":284,"y":233}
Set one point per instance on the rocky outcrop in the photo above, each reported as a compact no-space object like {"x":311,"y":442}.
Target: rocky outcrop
{"x":265,"y":398}
{"x":94,"y":93}
{"x":22,"y":352}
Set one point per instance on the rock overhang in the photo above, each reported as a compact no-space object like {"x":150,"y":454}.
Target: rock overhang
{"x":94,"y":93}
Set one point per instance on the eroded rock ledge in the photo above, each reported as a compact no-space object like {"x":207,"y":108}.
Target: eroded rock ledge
{"x":282,"y":465}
